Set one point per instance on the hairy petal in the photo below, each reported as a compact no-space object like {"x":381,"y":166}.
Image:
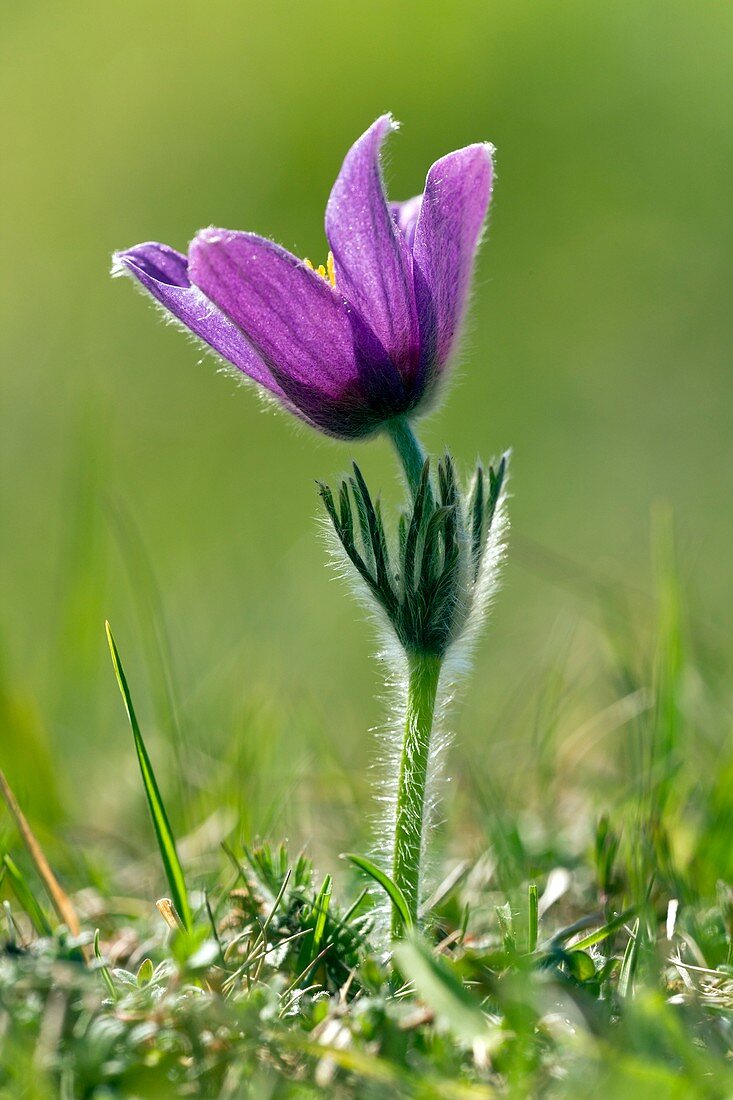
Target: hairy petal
{"x":447,"y":234}
{"x":373,"y":264}
{"x":313,"y":342}
{"x":163,"y":272}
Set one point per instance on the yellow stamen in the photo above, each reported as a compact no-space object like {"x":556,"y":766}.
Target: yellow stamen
{"x":328,"y":272}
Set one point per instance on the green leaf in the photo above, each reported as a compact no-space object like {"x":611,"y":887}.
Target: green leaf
{"x":628,"y":966}
{"x":582,"y":965}
{"x":533,"y":918}
{"x":390,"y":888}
{"x":416,"y":527}
{"x":476,"y":512}
{"x":506,"y":926}
{"x":103,"y":968}
{"x":25,"y":897}
{"x":161,"y":825}
{"x":204,"y":957}
{"x":145,"y":973}
{"x":603,"y":933}
{"x":442,"y":989}
{"x":320,"y":910}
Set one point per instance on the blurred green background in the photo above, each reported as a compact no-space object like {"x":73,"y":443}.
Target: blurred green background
{"x":138,"y":484}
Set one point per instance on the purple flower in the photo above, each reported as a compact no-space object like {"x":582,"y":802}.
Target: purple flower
{"x":348,"y":347}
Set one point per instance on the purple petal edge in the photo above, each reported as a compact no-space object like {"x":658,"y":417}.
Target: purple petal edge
{"x":372,"y":260}
{"x":163,"y":272}
{"x":447,"y":235}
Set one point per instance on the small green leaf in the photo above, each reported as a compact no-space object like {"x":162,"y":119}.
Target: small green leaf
{"x":506,"y":926}
{"x":125,"y":976}
{"x":581,"y":965}
{"x":103,"y":968}
{"x":145,"y":973}
{"x":390,"y":888}
{"x":442,"y":989}
{"x":161,"y":825}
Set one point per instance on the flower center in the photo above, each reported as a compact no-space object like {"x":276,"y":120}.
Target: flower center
{"x":328,"y":272}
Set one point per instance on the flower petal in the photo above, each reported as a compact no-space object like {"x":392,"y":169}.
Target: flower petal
{"x":456,"y":198}
{"x":373,"y":265}
{"x":405,"y":216}
{"x":163,"y":272}
{"x":315,"y":344}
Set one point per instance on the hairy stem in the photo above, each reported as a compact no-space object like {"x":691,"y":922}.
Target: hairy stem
{"x":422,"y":689}
{"x":408,"y":448}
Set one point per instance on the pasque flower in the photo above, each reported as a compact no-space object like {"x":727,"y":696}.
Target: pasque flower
{"x":354,"y":345}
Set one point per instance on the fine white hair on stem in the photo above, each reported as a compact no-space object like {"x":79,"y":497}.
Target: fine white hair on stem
{"x":478,"y":596}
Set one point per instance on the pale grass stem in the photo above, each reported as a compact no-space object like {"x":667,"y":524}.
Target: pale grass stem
{"x":59,"y":898}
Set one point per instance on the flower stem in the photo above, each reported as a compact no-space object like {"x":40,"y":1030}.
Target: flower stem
{"x":409,"y":449}
{"x":422,"y":689}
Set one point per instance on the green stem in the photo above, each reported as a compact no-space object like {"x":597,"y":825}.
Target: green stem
{"x":422,"y":690}
{"x":408,"y":448}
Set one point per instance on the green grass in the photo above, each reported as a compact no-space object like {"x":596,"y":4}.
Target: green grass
{"x":588,"y":950}
{"x":161,"y":825}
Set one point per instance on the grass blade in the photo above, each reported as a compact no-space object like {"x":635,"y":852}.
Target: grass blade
{"x":533,"y":918}
{"x":320,"y":910}
{"x":14,"y":935}
{"x":161,"y":825}
{"x":390,"y":888}
{"x":103,"y":968}
{"x":628,"y":965}
{"x":603,"y":933}
{"x":25,"y":897}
